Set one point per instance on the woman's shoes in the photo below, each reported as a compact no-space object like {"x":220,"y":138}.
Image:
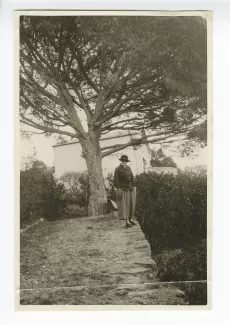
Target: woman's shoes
{"x":132,"y":222}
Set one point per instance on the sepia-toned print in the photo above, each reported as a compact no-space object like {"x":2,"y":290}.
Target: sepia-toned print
{"x":113,"y":172}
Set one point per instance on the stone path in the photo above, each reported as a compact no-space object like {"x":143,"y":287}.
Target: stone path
{"x":90,"y":261}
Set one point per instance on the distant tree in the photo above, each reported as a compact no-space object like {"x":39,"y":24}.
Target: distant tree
{"x":52,"y":169}
{"x":122,"y":73}
{"x":159,"y":159}
{"x":27,"y":161}
{"x":39,"y":165}
{"x":199,"y":170}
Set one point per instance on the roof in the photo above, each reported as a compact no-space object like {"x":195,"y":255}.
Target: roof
{"x":103,"y":137}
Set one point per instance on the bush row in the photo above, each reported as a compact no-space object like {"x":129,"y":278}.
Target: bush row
{"x":40,"y":194}
{"x":172,"y":212}
{"x":172,"y":209}
{"x":187,"y":264}
{"x":43,"y":196}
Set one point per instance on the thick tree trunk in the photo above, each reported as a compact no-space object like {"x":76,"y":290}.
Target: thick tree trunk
{"x":92,"y":153}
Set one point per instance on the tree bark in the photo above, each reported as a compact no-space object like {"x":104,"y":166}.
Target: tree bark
{"x":91,"y":150}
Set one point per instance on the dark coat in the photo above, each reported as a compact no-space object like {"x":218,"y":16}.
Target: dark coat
{"x":123,"y":178}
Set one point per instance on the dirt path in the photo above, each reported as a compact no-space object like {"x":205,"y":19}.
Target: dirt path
{"x":90,"y":261}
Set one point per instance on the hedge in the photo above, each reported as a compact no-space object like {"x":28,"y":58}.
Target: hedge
{"x":187,"y":264}
{"x":172,"y":212}
{"x":40,"y":195}
{"x":172,"y":209}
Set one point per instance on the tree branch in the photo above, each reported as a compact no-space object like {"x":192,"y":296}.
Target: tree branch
{"x":74,"y":118}
{"x":32,"y":132}
{"x":85,"y":107}
{"x":106,"y":127}
{"x":115,"y":107}
{"x":40,"y":89}
{"x":142,"y":140}
{"x":44,"y":128}
{"x":54,"y":114}
{"x":81,"y":66}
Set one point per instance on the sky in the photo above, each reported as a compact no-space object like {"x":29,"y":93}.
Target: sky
{"x":45,"y":152}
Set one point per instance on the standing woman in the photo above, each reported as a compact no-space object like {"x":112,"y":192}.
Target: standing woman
{"x":125,"y":195}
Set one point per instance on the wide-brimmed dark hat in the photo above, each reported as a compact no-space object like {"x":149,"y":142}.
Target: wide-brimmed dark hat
{"x":124,"y":158}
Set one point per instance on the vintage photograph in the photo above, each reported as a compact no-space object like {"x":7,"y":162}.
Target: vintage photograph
{"x":113,"y":150}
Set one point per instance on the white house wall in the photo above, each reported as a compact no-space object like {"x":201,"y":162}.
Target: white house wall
{"x":68,"y":158}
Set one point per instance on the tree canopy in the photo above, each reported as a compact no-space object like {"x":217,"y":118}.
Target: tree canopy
{"x":121,"y":73}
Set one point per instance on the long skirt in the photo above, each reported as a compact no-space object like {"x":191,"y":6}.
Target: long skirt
{"x":126,"y":204}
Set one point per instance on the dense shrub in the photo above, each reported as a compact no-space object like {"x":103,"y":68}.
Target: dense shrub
{"x":196,"y":292}
{"x":110,"y":188}
{"x":77,"y":188}
{"x":74,"y":211}
{"x":172,"y":212}
{"x":187,"y":264}
{"x":40,"y":195}
{"x":172,"y":209}
{"x":78,"y":191}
